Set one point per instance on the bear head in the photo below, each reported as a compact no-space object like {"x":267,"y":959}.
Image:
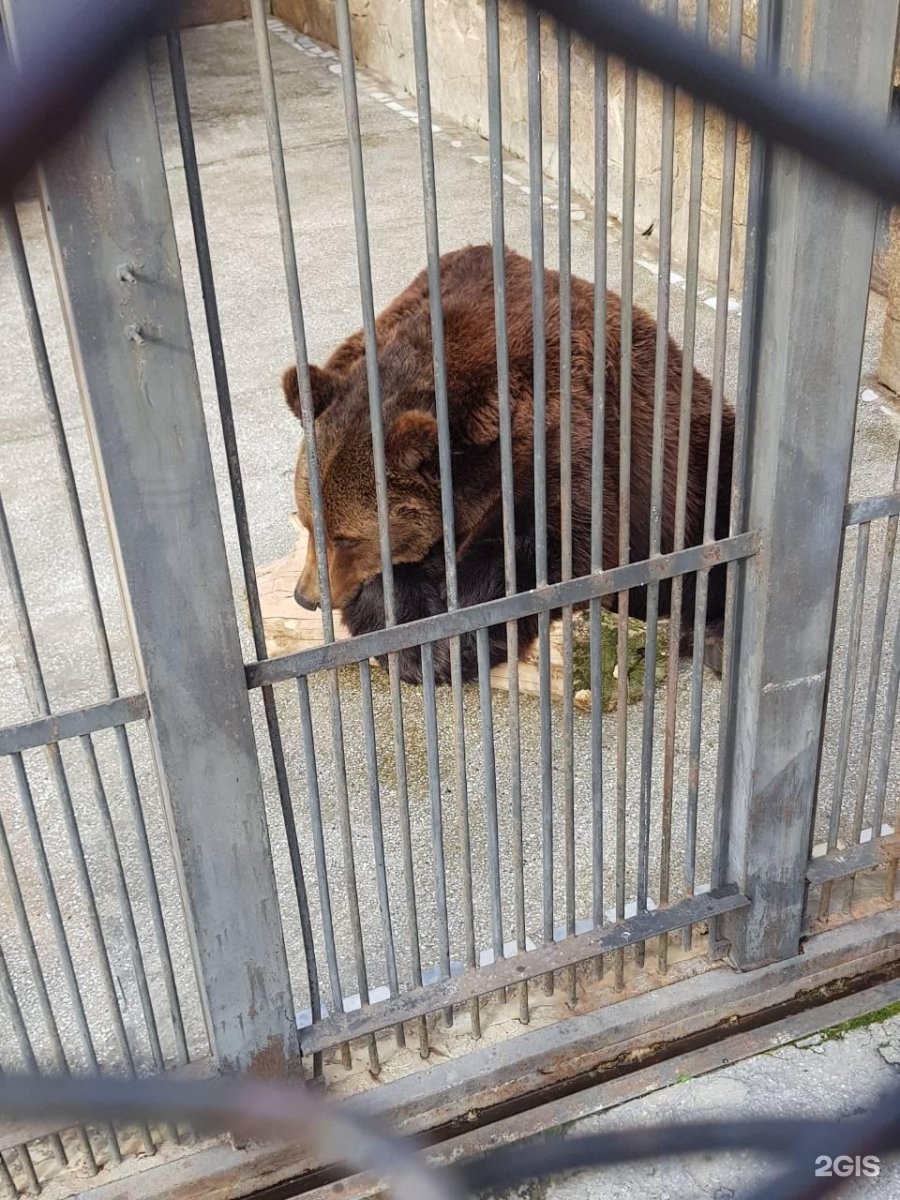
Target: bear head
{"x":347,"y":481}
{"x":340,"y":403}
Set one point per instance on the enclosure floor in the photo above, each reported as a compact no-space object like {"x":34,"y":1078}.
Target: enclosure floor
{"x":237,"y":189}
{"x":837,"y":1077}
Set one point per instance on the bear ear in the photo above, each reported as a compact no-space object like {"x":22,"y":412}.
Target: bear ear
{"x":411,"y":441}
{"x":322,"y":385}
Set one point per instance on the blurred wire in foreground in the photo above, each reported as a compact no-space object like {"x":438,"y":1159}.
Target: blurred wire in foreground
{"x":283,"y":1113}
{"x":245,"y":1107}
{"x":850,"y":145}
{"x":74,"y":46}
{"x":71,"y":49}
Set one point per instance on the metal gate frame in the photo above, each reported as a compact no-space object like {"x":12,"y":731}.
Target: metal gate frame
{"x":119,"y":276}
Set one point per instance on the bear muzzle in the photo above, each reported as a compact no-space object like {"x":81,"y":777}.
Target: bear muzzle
{"x":303,"y":600}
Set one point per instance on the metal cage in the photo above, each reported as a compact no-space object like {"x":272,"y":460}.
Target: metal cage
{"x":300,"y":864}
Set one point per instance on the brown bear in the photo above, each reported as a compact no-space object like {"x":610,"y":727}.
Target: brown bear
{"x":343,"y":436}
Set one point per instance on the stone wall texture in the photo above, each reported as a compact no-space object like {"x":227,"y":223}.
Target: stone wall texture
{"x":382,"y":42}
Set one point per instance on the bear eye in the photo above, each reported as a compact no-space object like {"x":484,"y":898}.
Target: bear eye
{"x":346,"y":543}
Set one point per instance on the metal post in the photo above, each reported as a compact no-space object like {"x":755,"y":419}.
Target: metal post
{"x":816,"y":247}
{"x":113,"y":245}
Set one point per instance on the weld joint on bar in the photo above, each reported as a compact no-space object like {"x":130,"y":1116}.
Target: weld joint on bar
{"x":461,"y":621}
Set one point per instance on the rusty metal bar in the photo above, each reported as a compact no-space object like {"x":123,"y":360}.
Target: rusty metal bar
{"x":509,"y":971}
{"x":836,"y":864}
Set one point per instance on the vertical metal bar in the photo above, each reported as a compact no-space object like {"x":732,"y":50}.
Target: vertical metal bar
{"x":462,"y":816}
{"x":801,"y":444}
{"x":883,"y":762}
{"x":40,"y":701}
{"x":282,"y":201}
{"x":598,"y":424}
{"x":437,"y":820}
{"x":384,"y":902}
{"x":295,"y":303}
{"x":132,"y":348}
{"x":849,"y":694}
{"x":6,"y":1181}
{"x":692,"y":269}
{"x":875,"y":661}
{"x":564,"y":104}
{"x":432,"y":246}
{"x":490,"y":789}
{"x":409,"y":876}
{"x":62,"y":945}
{"x":26,"y":1051}
{"x":346,"y":829}
{"x":32,"y":1183}
{"x":426,"y":154}
{"x":723,"y":278}
{"x":318,"y":835}
{"x":51,"y":402}
{"x":28,"y":1169}
{"x":241,"y":518}
{"x":35,"y":970}
{"x":507,"y":482}
{"x":625,"y":381}
{"x":364,"y":267}
{"x":656,"y":481}
{"x":111,"y":849}
{"x":536,"y":190}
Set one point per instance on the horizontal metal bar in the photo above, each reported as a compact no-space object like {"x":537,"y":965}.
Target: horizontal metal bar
{"x":497,"y":612}
{"x":80,"y":721}
{"x":464,"y":1091}
{"x":839,"y":864}
{"x":505,"y":972}
{"x":872,"y":508}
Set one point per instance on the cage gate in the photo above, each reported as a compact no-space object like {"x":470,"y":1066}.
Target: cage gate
{"x":300,"y":863}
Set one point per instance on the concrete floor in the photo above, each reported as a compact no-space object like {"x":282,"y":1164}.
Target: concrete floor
{"x":237,"y":187}
{"x":819,"y":1078}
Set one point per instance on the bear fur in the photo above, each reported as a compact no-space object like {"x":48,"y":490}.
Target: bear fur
{"x":343,"y":438}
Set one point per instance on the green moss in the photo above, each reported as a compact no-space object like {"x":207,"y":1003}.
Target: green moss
{"x":609,"y":656}
{"x":861,"y":1022}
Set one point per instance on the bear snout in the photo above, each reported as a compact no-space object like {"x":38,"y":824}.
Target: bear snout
{"x":302,"y":600}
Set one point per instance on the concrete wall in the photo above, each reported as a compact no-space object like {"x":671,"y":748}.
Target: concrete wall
{"x":212,"y":12}
{"x":382,"y":42}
